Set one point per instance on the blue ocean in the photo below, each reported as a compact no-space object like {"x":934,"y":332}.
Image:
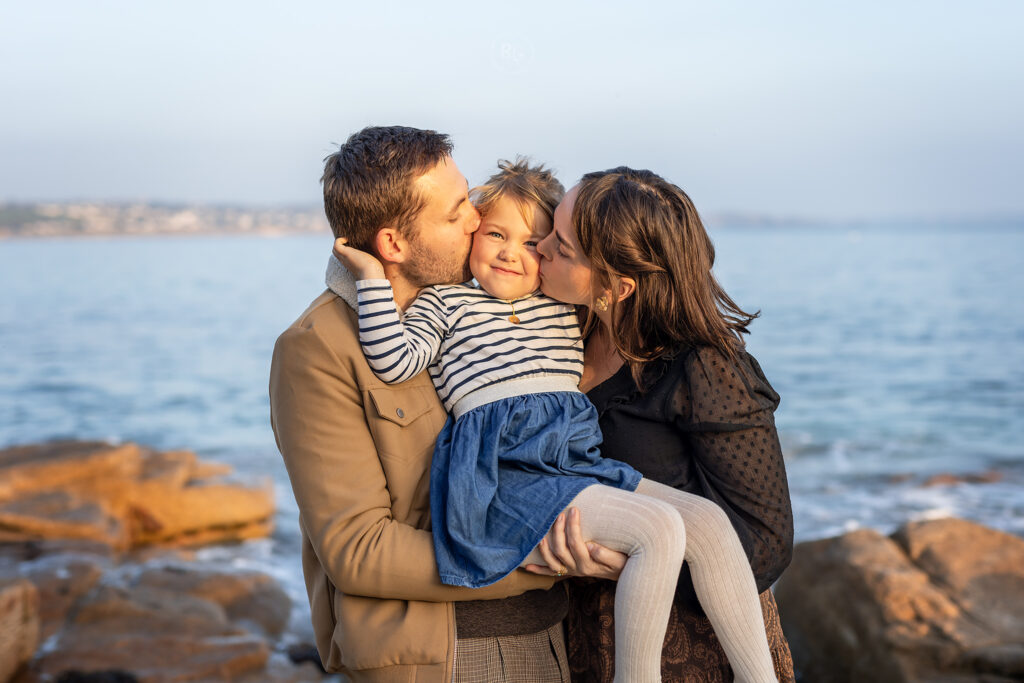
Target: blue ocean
{"x":898,"y":351}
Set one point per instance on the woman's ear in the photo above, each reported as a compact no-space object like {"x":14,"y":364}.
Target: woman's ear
{"x":391,"y":246}
{"x":624,"y":288}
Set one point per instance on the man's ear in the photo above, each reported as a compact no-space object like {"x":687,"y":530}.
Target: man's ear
{"x":391,"y":246}
{"x":624,"y":288}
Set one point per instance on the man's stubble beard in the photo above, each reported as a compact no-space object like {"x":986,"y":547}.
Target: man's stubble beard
{"x":426,"y":267}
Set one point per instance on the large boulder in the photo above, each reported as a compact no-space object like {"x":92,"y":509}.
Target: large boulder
{"x":162,"y":620}
{"x":65,"y":465}
{"x":153,"y":634}
{"x":61,"y":514}
{"x":125,"y":496}
{"x":19,"y":625}
{"x":249,"y":599}
{"x":60,"y":581}
{"x":940,"y":600}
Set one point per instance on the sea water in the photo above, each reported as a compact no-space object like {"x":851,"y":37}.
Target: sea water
{"x":898,"y":352}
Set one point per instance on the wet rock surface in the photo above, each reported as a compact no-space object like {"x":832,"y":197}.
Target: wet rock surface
{"x":247,"y":598}
{"x":125,"y":496}
{"x":939,"y":600}
{"x":19,"y":625}
{"x":95,"y":586}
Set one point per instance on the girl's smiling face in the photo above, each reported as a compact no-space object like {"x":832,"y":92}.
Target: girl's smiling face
{"x":565,"y":272}
{"x":504,"y":259}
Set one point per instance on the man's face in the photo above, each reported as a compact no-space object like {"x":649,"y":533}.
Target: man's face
{"x":444,"y":228}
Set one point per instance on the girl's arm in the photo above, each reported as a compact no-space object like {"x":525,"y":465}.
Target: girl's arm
{"x":395,"y":349}
{"x":398,"y":349}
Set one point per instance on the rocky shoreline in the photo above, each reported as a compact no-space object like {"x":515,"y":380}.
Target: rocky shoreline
{"x":99,"y":580}
{"x":937,"y":601}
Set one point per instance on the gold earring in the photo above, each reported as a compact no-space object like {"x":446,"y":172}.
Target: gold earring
{"x":601,"y":303}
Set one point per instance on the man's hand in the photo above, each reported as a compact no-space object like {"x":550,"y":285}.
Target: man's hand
{"x":567,"y":553}
{"x":362,"y":265}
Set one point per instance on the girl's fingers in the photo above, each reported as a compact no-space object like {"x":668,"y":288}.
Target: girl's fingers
{"x":340,"y":249}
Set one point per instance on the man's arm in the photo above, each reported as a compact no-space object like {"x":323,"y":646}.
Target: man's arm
{"x":318,"y":419}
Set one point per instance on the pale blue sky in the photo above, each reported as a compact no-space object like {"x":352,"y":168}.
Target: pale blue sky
{"x":839,"y":110}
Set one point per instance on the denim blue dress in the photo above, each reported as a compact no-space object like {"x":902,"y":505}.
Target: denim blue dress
{"x":502,"y":473}
{"x":525,"y":440}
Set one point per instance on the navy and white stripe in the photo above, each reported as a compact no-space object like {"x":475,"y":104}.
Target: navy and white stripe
{"x":464,"y":336}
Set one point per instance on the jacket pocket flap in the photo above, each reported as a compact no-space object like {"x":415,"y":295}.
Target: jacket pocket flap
{"x":400,"y":406}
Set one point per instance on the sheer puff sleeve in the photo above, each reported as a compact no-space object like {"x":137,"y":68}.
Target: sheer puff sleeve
{"x":724,"y":410}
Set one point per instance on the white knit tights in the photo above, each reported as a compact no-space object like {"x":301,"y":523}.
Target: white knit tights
{"x":659,"y":527}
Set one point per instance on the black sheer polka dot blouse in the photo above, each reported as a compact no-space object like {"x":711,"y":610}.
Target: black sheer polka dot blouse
{"x":705,"y":424}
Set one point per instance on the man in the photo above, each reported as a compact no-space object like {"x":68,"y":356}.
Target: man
{"x":358,"y":451}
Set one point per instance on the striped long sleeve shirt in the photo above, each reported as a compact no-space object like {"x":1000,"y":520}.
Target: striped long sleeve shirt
{"x":465,"y":337}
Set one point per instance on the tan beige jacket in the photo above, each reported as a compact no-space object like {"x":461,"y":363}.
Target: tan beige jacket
{"x":358,"y":455}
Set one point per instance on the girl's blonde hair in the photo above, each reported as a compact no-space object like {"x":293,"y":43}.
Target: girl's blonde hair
{"x":528,"y":185}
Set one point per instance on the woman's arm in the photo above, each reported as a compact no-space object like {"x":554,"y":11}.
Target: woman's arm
{"x":725,"y":409}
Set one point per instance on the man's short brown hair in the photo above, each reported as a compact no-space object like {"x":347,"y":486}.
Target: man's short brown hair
{"x":368,"y":182}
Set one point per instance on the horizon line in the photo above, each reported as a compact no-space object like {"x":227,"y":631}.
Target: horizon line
{"x":714,"y":216}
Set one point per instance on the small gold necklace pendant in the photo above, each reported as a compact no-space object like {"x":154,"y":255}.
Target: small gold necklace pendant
{"x":514,"y":319}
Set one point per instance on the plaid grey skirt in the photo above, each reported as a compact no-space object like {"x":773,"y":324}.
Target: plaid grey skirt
{"x":532,"y":658}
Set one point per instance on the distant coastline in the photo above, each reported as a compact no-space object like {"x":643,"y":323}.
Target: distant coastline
{"x":103,"y":219}
{"x":35,"y":220}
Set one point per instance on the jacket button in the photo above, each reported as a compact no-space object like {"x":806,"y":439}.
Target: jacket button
{"x":401,"y":413}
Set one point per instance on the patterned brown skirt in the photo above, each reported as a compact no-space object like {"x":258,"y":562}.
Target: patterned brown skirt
{"x":692,"y":653}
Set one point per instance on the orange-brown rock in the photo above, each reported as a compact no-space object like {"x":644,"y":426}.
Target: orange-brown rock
{"x":84,"y":565}
{"x":249,"y":599}
{"x":65,"y":466}
{"x":161,"y":621}
{"x":199,"y":513}
{"x":155,"y":635}
{"x":61,"y":514}
{"x":60,"y":580}
{"x":125,"y":496}
{"x":949,"y":479}
{"x":19,"y":625}
{"x":941,"y":600}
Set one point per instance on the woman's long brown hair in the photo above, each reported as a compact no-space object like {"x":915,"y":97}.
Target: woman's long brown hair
{"x":634,"y":223}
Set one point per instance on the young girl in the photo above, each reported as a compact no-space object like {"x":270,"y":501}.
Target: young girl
{"x":521,"y":444}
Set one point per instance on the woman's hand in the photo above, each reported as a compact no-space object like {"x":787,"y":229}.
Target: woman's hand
{"x":565,"y":548}
{"x":362,"y":265}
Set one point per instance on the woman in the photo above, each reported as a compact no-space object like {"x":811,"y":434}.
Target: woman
{"x":679,"y":399}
